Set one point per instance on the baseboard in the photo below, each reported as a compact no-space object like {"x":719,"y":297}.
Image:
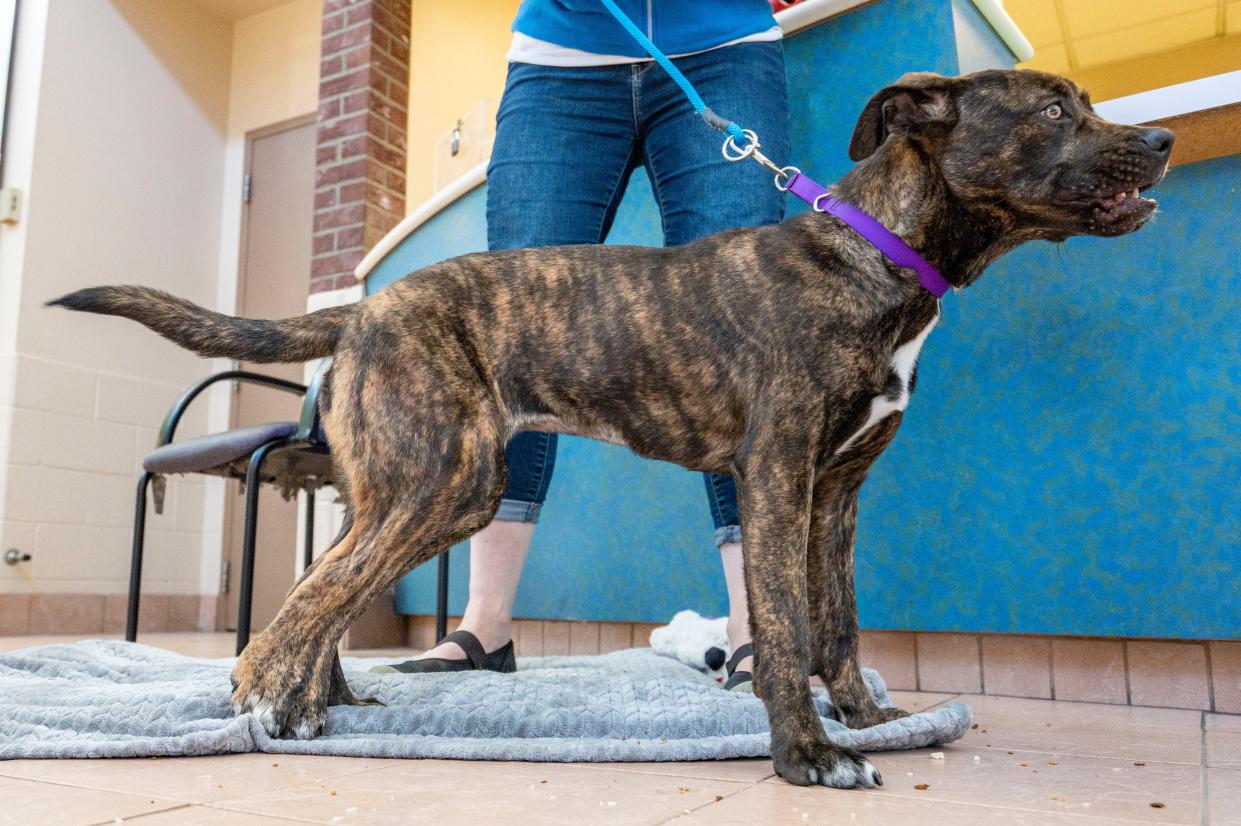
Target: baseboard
{"x":1194,"y":674}
{"x":103,"y":613}
{"x":378,"y":627}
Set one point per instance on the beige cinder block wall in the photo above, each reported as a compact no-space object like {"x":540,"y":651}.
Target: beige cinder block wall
{"x":128,"y":139}
{"x":123,"y":163}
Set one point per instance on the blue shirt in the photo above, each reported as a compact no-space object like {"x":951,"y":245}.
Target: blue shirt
{"x":676,"y":26}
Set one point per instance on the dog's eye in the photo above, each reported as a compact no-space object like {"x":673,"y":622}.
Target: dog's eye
{"x":1053,"y":111}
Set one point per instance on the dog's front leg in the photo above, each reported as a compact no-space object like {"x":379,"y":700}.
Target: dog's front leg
{"x":833,"y":604}
{"x":773,"y":485}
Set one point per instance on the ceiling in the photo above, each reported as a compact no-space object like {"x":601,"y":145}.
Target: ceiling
{"x":236,"y":9}
{"x":1069,"y":35}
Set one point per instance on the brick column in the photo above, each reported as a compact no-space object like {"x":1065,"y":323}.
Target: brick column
{"x":360,"y":158}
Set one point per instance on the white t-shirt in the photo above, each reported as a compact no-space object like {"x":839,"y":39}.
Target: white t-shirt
{"x":526,"y":49}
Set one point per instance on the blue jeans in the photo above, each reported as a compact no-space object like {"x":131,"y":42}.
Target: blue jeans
{"x":567,"y":140}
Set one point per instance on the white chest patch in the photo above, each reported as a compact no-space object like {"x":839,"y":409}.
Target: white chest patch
{"x":882,"y":406}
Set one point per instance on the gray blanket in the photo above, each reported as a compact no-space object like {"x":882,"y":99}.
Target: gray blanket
{"x":113,"y":699}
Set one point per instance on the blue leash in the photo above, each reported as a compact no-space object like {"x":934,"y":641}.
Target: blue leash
{"x":713,"y":120}
{"x":743,"y":143}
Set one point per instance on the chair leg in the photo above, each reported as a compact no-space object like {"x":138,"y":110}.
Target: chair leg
{"x":308,"y":552}
{"x":246,"y":592}
{"x":135,"y":562}
{"x":441,"y":598}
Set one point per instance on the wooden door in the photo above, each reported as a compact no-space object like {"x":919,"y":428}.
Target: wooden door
{"x":277,"y":222}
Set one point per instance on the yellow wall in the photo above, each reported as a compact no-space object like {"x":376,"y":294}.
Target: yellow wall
{"x":1120,"y":47}
{"x":1140,"y":74}
{"x":275,"y":72}
{"x":456,"y":59}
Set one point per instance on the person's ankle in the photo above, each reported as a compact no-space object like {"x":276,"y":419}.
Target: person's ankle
{"x":492,"y":629}
{"x":738,"y":635}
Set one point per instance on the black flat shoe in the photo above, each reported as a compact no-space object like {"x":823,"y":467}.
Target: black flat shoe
{"x":476,"y":659}
{"x":740,"y":680}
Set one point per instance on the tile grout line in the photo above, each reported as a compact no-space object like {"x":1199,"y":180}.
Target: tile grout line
{"x":1089,"y":702}
{"x":1054,"y":754}
{"x":286,"y":818}
{"x":982,"y":672}
{"x":947,"y":699}
{"x":1205,"y":797}
{"x":1206,"y":652}
{"x":1124,"y":653}
{"x":142,"y":814}
{"x":721,"y":799}
{"x":389,"y":763}
{"x":695,"y":778}
{"x":92,"y":788}
{"x":999,"y":807}
{"x":917,"y":667}
{"x":1051,"y":667}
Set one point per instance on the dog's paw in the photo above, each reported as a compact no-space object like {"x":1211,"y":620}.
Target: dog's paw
{"x":281,"y":716}
{"x":865,"y":718}
{"x":823,"y":764}
{"x":285,"y":708}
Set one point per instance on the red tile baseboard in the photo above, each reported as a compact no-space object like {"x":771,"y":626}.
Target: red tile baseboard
{"x":1191,"y":674}
{"x":103,"y":614}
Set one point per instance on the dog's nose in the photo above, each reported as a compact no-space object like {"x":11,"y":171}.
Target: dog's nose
{"x":1159,"y":140}
{"x":714,"y":658}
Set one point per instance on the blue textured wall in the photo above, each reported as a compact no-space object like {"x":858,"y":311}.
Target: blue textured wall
{"x":1069,"y":464}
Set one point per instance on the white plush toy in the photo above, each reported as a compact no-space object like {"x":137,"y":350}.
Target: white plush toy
{"x":696,"y":641}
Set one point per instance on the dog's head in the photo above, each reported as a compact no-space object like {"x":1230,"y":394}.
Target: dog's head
{"x":1027,"y":143}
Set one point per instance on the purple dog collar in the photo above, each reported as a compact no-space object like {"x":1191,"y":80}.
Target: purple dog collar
{"x":883,"y":239}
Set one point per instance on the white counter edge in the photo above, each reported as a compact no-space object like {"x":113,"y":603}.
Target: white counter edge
{"x":995,"y":14}
{"x":428,"y":210}
{"x":808,"y":12}
{"x":1192,"y":96}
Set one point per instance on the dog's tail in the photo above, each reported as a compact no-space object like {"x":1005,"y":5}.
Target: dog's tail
{"x":213,"y":334}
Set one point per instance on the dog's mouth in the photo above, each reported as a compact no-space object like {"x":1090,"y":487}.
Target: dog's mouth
{"x":1123,"y":201}
{"x":1123,"y":211}
{"x":1126,"y":201}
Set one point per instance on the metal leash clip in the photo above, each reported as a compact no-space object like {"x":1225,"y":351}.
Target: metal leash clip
{"x":732,"y":152}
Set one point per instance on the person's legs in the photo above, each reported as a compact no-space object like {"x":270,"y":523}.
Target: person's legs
{"x":722,"y":499}
{"x":498,"y":551}
{"x":564,"y":148}
{"x":701,"y":193}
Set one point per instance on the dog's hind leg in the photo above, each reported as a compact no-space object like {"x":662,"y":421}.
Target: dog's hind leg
{"x":339,"y":693}
{"x":829,"y":577}
{"x":416,"y":490}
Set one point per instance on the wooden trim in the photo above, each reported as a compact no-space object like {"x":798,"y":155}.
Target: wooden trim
{"x":1200,"y":136}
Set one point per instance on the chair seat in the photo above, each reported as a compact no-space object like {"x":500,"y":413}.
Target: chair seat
{"x":207,"y":452}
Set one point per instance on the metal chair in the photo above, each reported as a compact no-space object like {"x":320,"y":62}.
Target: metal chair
{"x":291,"y":455}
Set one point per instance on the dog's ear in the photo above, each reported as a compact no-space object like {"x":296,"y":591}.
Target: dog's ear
{"x":913,"y":102}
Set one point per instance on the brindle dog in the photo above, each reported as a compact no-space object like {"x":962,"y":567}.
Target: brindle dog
{"x":783,"y":355}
